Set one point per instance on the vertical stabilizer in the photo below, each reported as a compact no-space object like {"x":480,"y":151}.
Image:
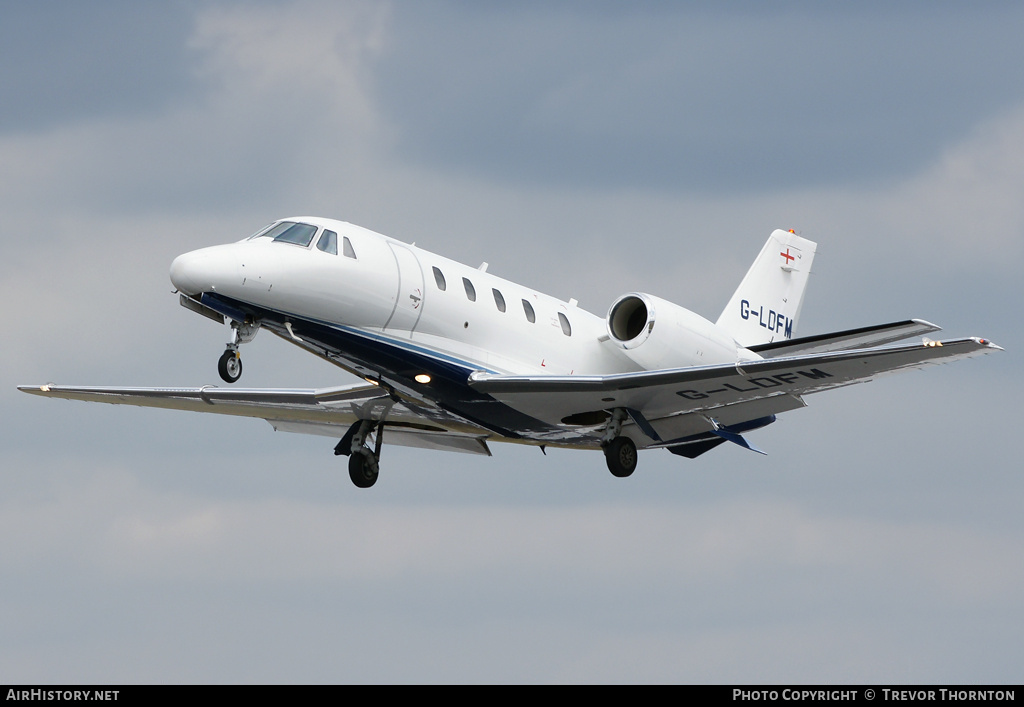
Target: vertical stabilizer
{"x":767,"y":304}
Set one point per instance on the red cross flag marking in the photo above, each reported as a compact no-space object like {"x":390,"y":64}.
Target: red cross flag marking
{"x":787,"y":256}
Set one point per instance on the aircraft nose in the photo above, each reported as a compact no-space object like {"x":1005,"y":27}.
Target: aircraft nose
{"x":193,"y":272}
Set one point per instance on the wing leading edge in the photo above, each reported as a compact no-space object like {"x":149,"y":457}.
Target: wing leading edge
{"x":322,"y":411}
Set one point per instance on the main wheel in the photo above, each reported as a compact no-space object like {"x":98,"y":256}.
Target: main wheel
{"x":362,"y":472}
{"x":230,"y":366}
{"x":621,"y":456}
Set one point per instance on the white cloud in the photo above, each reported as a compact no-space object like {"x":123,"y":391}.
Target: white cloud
{"x":967,"y":206}
{"x":282,"y":103}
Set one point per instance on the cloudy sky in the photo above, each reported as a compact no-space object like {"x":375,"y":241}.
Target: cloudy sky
{"x":582,"y":148}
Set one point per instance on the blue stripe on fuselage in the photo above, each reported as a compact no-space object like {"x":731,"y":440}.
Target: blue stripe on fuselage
{"x":400,"y":361}
{"x":238,"y":310}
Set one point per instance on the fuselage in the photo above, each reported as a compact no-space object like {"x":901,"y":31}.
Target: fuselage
{"x":337,"y":275}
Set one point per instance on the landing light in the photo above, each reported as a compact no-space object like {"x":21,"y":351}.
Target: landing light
{"x":422,"y":378}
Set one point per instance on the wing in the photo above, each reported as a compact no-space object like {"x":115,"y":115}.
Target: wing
{"x":678,"y":403}
{"x":324,"y":411}
{"x":666,"y":408}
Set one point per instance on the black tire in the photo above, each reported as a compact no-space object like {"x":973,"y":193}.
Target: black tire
{"x":229,"y":366}
{"x":621,"y":457}
{"x":360,"y":470}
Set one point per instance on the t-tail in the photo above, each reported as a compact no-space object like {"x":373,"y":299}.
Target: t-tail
{"x":766,"y":306}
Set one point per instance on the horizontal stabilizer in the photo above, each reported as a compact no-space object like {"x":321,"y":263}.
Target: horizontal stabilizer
{"x":848,"y":340}
{"x":735,"y":439}
{"x":695,"y":449}
{"x":695,"y":445}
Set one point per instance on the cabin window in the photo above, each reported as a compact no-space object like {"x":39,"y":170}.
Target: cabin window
{"x":347,"y":246}
{"x":439,"y":279}
{"x":296,"y":233}
{"x":328,"y":242}
{"x":470,"y":290}
{"x":499,"y":301}
{"x":530,"y":315}
{"x":564,"y":321}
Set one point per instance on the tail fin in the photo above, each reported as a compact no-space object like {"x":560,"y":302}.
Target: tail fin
{"x":767,"y":304}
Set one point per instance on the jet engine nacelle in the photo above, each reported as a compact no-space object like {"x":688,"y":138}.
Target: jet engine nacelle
{"x":656,"y":334}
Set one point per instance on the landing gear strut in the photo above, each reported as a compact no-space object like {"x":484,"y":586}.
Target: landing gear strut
{"x":619,"y":451}
{"x":230,"y":364}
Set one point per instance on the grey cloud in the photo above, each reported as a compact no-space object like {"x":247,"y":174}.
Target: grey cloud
{"x":67,"y":62}
{"x":694,"y":100}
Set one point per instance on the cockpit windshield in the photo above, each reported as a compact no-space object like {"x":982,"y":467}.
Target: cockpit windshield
{"x":262,"y":232}
{"x":288,"y":232}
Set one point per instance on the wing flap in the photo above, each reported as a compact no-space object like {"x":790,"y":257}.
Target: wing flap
{"x":687,"y":424}
{"x":396,"y":434}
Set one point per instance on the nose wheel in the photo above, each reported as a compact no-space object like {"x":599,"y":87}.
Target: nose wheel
{"x":230,"y":366}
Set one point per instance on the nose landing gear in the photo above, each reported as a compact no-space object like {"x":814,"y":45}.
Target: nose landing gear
{"x":230,"y":364}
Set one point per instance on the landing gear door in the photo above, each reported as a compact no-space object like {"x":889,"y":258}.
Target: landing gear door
{"x":409,"y":300}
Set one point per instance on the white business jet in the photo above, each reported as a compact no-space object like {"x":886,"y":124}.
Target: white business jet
{"x":454,"y":357}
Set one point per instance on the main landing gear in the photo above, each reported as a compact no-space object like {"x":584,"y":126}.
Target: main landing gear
{"x":363,"y":464}
{"x":621,"y":456}
{"x":619,"y":451}
{"x":230,"y":364}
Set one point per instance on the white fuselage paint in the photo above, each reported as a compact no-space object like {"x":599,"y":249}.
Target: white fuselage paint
{"x":389,"y":291}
